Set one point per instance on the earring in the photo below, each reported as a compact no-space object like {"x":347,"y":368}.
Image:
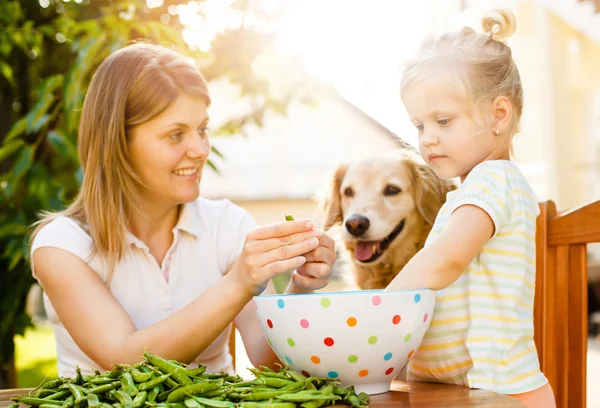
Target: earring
{"x":496,"y":132}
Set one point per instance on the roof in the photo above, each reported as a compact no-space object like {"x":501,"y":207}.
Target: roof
{"x":291,"y":156}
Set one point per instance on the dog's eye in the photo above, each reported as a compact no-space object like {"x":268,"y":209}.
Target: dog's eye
{"x":391,"y":190}
{"x":348,"y":192}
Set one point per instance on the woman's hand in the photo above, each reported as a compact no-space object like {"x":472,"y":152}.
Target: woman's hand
{"x":314,"y":274}
{"x":278,"y":248}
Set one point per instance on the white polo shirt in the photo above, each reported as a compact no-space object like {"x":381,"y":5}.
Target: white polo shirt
{"x":207,"y":238}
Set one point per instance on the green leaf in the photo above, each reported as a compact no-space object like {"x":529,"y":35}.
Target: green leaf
{"x":15,"y":260}
{"x":90,"y":54}
{"x":12,"y":229}
{"x":17,"y":129}
{"x":23,"y":162}
{"x":216,"y":151}
{"x":35,"y":117}
{"x":213,"y":166}
{"x":7,"y":71}
{"x":61,"y":144}
{"x":8,"y":149}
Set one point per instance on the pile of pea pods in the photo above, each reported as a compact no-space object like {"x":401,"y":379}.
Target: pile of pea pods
{"x":159,"y":383}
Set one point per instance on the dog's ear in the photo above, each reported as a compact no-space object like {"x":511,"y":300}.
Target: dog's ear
{"x":332,"y":205}
{"x":430,"y":190}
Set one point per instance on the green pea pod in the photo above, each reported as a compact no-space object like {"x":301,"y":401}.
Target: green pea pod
{"x":355,"y":402}
{"x":69,"y":402}
{"x":272,"y":382}
{"x":289,"y":217}
{"x":123,"y":398}
{"x":214,"y":403}
{"x":152,"y":394}
{"x":216,"y":376}
{"x":145,"y":386}
{"x":267,"y":404}
{"x":77,"y":393}
{"x":140,"y":377}
{"x":192,"y":403}
{"x":233,"y":378}
{"x":36,"y":402}
{"x":269,"y":394}
{"x":326,"y":390}
{"x":140,"y":399}
{"x":343,"y":392}
{"x":260,"y":373}
{"x":57,"y":382}
{"x":13,"y":406}
{"x":165,"y":394}
{"x":115,"y":372}
{"x":101,"y":389}
{"x":178,"y":373}
{"x":47,"y":406}
{"x":195,"y":372}
{"x":45,"y":393}
{"x":307,"y":395}
{"x":171,"y":383}
{"x":92,"y":400}
{"x":192,"y":389}
{"x":78,"y":377}
{"x":128,"y":385}
{"x":101,"y":380}
{"x":104,"y":405}
{"x":59,"y":395}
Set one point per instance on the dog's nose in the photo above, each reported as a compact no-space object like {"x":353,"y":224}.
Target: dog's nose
{"x":357,"y":224}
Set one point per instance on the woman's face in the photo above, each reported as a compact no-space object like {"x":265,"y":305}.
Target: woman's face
{"x":168,"y":152}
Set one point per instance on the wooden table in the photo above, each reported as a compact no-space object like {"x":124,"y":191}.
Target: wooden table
{"x":403,"y":394}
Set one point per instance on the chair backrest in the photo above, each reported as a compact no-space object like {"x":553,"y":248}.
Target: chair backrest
{"x":560,"y":311}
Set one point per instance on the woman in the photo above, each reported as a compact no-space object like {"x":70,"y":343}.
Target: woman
{"x":138,"y":261}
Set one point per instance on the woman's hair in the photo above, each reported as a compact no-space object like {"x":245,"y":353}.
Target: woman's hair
{"x":132,"y":86}
{"x":478,"y":66}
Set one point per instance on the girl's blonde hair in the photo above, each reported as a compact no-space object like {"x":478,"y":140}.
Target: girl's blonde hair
{"x":132,"y":86}
{"x":479,"y":66}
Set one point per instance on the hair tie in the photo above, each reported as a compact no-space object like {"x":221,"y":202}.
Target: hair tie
{"x":494,"y":30}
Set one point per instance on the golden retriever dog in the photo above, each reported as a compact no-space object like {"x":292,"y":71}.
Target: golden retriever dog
{"x":386,"y":207}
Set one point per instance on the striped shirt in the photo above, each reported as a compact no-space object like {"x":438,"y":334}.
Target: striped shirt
{"x":481,"y":334}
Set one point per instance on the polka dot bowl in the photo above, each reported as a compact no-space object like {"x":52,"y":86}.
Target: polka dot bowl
{"x":363,"y":338}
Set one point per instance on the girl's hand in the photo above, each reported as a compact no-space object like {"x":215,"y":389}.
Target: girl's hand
{"x":274,"y":249}
{"x":314,"y":274}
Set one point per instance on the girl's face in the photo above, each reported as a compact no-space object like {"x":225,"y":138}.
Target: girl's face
{"x":169,"y":152}
{"x":451,"y":139}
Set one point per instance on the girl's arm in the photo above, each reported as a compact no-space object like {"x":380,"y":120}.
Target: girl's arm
{"x":313,"y":275}
{"x":105,"y":332}
{"x":440,"y":264}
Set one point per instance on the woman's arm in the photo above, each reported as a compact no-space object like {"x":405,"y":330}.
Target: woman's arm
{"x":105,"y":332}
{"x":440,"y":264}
{"x":313,"y":275}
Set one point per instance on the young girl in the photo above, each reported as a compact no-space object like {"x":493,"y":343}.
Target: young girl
{"x":463,"y":93}
{"x":138,"y":261}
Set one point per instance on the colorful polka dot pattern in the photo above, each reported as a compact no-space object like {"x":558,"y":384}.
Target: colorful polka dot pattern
{"x":350,"y":322}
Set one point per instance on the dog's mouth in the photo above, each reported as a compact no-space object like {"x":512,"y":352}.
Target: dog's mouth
{"x":369,"y":251}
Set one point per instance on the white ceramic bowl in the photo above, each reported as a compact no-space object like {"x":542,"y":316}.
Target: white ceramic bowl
{"x":363,"y":338}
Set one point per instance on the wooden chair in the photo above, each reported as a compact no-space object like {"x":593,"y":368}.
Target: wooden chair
{"x":560,"y":310}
